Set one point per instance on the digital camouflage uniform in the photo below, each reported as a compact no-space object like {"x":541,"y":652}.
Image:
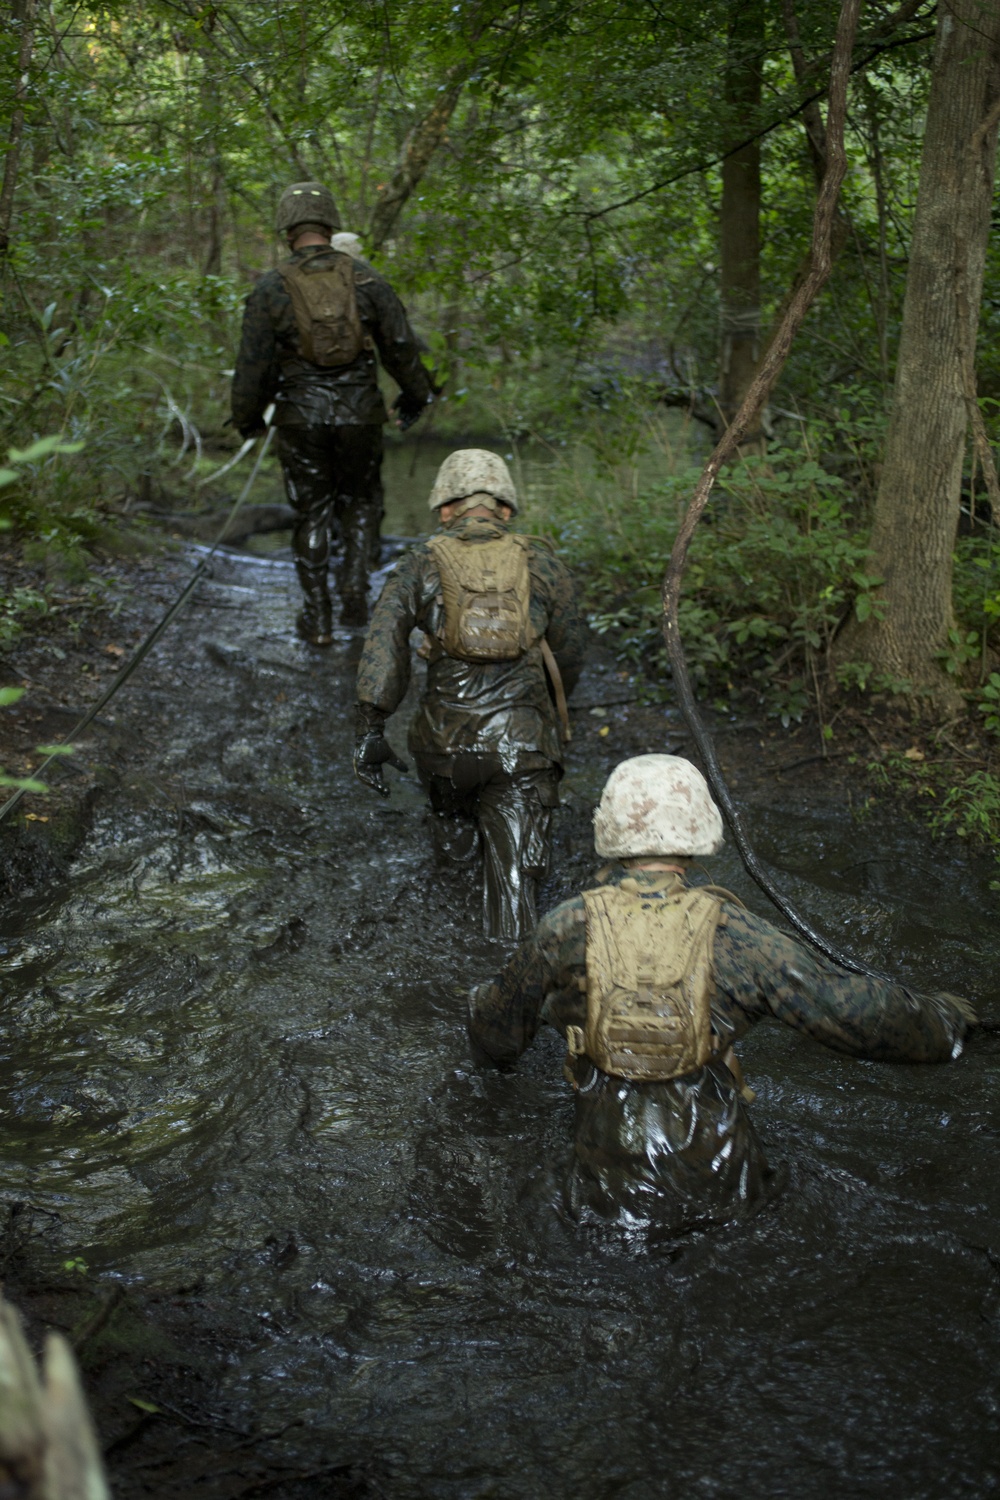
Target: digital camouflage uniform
{"x":329,"y":420}
{"x":682,"y":1152}
{"x":486,"y":737}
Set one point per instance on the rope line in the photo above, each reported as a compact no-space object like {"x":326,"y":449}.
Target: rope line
{"x":147,"y":645}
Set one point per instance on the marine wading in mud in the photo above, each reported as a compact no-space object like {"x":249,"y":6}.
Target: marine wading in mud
{"x":504,"y":642}
{"x":236,"y":1042}
{"x":310,"y":330}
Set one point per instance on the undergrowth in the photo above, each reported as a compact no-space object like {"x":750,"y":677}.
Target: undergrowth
{"x":964,"y":803}
{"x":776,"y":566}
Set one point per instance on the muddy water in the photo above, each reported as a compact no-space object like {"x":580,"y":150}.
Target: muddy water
{"x":234,"y":1055}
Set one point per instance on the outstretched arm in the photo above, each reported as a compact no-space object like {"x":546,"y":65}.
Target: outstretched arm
{"x":384,"y":669}
{"x":384,"y":674}
{"x":567,"y":629}
{"x":763,"y":970}
{"x":396,"y":343}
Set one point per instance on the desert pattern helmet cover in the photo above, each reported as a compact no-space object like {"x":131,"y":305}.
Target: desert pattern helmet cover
{"x":473,"y":471}
{"x":655,"y":805}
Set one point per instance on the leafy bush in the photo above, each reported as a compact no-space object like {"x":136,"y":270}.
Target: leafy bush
{"x":17,"y":783}
{"x":989,"y":703}
{"x":775,"y":566}
{"x":976,"y":596}
{"x":16,"y":608}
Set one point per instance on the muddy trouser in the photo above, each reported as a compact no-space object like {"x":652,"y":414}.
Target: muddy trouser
{"x":333,"y":476}
{"x":674,"y":1154}
{"x":512,"y":811}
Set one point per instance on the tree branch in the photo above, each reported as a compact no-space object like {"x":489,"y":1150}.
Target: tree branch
{"x":748,"y":414}
{"x":875,"y":50}
{"x":418,"y":149}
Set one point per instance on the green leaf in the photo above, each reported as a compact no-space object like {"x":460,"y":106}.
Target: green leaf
{"x":23,"y":783}
{"x":10,"y":695}
{"x":42,"y":449}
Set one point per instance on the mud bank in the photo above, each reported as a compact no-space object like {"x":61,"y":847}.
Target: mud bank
{"x":247,"y":1164}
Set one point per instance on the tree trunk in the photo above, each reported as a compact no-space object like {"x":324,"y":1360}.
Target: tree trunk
{"x":216,"y":208}
{"x":13,"y":156}
{"x":917,"y":506}
{"x":418,"y":149}
{"x":739,"y":220}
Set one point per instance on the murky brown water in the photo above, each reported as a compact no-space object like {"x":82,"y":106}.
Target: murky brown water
{"x":234,"y":1053}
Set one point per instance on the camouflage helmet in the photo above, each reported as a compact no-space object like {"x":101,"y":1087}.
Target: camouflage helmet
{"x":306,"y":203}
{"x":654,"y":805}
{"x":473,"y":471}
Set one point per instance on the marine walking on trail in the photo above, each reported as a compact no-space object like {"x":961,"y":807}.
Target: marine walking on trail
{"x":504,"y":641}
{"x":652,"y":980}
{"x":311,"y":330}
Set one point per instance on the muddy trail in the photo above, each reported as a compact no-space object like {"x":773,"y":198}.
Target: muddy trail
{"x":304,"y":1249}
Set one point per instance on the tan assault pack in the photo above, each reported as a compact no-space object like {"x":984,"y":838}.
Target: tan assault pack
{"x":486,"y":594}
{"x":326,"y":309}
{"x":649,"y":980}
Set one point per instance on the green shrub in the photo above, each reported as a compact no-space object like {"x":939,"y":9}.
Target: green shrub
{"x":989,"y":703}
{"x":976,"y":596}
{"x":775,"y":566}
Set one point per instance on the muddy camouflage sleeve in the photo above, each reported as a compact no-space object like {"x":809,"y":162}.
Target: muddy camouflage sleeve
{"x":763,"y":971}
{"x":505,"y":1014}
{"x":255,"y":379}
{"x":384,"y":669}
{"x":382,"y":312}
{"x":567,"y":631}
{"x":759,"y":972}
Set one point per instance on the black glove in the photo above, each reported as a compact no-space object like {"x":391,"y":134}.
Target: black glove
{"x":371,"y":752}
{"x":254,"y":430}
{"x":406,"y":409}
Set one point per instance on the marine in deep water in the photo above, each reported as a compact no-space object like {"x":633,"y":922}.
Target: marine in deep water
{"x":652,"y":980}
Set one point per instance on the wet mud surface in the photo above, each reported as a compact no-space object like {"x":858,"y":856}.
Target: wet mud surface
{"x":246,"y":1161}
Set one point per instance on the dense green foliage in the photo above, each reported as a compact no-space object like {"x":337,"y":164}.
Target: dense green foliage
{"x":561,"y":244}
{"x":542,"y":183}
{"x":776,"y":566}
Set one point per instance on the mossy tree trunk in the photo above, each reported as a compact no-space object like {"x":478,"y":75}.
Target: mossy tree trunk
{"x":418,"y":149}
{"x":23,"y":14}
{"x":917,"y":504}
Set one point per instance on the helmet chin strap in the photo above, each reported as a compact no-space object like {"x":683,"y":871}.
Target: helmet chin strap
{"x":655,"y":864}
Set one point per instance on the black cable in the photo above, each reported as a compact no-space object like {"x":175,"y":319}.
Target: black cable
{"x":154,"y":635}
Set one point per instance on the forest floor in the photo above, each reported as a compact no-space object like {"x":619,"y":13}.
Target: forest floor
{"x":203,"y":867}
